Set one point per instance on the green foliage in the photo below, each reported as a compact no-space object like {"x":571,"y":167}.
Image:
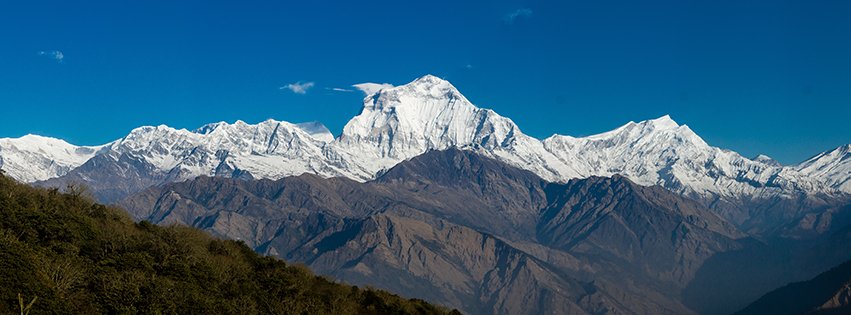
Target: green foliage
{"x":66,"y":254}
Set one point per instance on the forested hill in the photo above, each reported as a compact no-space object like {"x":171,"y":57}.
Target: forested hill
{"x":66,"y":254}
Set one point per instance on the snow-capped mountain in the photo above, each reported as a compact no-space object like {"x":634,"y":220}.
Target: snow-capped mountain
{"x":662,"y":152}
{"x":32,"y":158}
{"x":269,"y":149}
{"x":765,"y":159}
{"x":399,"y":123}
{"x":833,"y":166}
{"x":430,"y":114}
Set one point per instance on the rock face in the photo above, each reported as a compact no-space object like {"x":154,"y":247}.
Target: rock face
{"x":468,"y":231}
{"x":828,"y":293}
{"x":659,"y":233}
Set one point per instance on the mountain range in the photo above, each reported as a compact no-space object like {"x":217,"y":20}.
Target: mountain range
{"x":425,"y":194}
{"x":464,"y":230}
{"x":468,"y":231}
{"x":429,"y":113}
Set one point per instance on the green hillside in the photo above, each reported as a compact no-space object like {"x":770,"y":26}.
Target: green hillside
{"x":73,"y":256}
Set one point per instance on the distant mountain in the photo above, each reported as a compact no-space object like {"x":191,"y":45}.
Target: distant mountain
{"x":834,"y":166}
{"x":154,"y":155}
{"x":468,"y":231}
{"x":399,"y":123}
{"x":828,"y":293}
{"x":429,"y":113}
{"x":33,"y":158}
{"x":764,"y":159}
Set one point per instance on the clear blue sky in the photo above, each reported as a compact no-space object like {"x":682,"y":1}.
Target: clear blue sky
{"x":769,"y":77}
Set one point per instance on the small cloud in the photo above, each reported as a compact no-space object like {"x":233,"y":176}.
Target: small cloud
{"x":517,"y":14}
{"x":53,"y":54}
{"x":468,"y":66}
{"x":370,"y":88}
{"x":298,"y":87}
{"x":341,"y":90}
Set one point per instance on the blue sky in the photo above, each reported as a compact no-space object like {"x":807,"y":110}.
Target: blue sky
{"x":769,"y":77}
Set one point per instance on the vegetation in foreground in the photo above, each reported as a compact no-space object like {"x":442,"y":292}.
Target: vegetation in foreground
{"x":66,"y":254}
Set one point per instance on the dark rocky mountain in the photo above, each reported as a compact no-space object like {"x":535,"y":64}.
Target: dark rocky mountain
{"x":467,"y":231}
{"x":113,"y":176}
{"x":471,"y":190}
{"x":648,"y":228}
{"x":729,"y":281}
{"x":828,"y":293}
{"x":110,"y":176}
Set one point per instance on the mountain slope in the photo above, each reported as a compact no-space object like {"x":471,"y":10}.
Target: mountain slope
{"x":465,"y":230}
{"x":828,"y":293}
{"x":69,"y":255}
{"x":472,"y":190}
{"x":833,"y":166}
{"x":662,"y":152}
{"x":648,"y":228}
{"x":359,"y":233}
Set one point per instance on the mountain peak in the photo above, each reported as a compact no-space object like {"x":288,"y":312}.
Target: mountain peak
{"x":33,"y":157}
{"x":428,"y":113}
{"x":765,"y":159}
{"x":34,"y":138}
{"x":430,"y":79}
{"x":644,"y":128}
{"x":833,"y":166}
{"x":664,"y":122}
{"x":208,"y":128}
{"x":423,"y":100}
{"x":425,"y":87}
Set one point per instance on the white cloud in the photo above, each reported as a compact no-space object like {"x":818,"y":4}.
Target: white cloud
{"x":517,"y":14}
{"x":53,"y":54}
{"x":298,"y":87}
{"x":341,"y":90}
{"x":370,"y":88}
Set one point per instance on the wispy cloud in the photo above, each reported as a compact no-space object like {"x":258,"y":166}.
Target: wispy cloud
{"x":341,"y":90}
{"x":370,"y":88}
{"x":53,"y":54}
{"x":298,"y":87}
{"x":468,"y":66}
{"x":512,"y":17}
